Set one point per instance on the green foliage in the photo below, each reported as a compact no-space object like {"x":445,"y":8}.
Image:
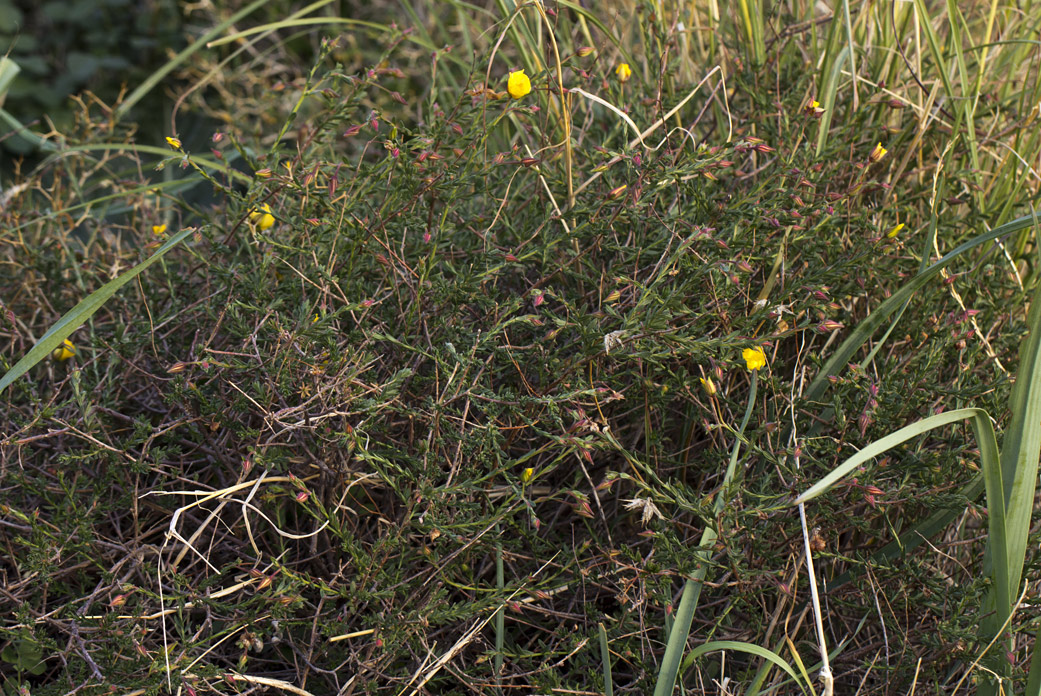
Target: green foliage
{"x":435,"y":410}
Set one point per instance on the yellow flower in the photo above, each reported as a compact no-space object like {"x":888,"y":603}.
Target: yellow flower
{"x":895,"y":231}
{"x":527,"y":475}
{"x":708,"y":385}
{"x":755,"y":358}
{"x":262,"y":217}
{"x":518,"y":85}
{"x":878,"y":153}
{"x":63,"y":352}
{"x":624,"y":72}
{"x":158,"y":229}
{"x":175,"y":143}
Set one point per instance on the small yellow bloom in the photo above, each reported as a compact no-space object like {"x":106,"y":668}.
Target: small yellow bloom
{"x":755,"y":358}
{"x":63,"y":352}
{"x":878,"y":153}
{"x":895,"y":231}
{"x":175,"y":143}
{"x":708,"y":385}
{"x":158,"y":229}
{"x":518,"y":85}
{"x":624,"y":72}
{"x":262,"y":217}
{"x":527,"y":475}
{"x":815,"y":104}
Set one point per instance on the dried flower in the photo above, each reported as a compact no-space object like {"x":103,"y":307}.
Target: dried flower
{"x":755,"y":358}
{"x":518,"y":84}
{"x":648,"y":510}
{"x":624,"y":72}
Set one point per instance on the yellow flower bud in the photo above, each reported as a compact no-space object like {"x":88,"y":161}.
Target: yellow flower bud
{"x":527,"y":475}
{"x":63,"y":352}
{"x":895,"y":231}
{"x":175,"y":143}
{"x":708,"y":385}
{"x":878,"y":153}
{"x":624,"y":72}
{"x":518,"y":85}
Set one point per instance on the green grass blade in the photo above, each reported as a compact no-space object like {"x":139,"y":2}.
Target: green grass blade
{"x":751,"y":649}
{"x":8,"y":71}
{"x":500,"y":613}
{"x":860,"y":335}
{"x":133,"y":148}
{"x":23,"y":132}
{"x":852,"y":51}
{"x":79,"y":314}
{"x":798,"y":660}
{"x":1019,"y":464}
{"x":677,"y":636}
{"x":677,"y":641}
{"x":828,"y":102}
{"x":980,"y":422}
{"x":605,"y":659}
{"x":752,"y":18}
{"x":1022,"y":444}
{"x":1034,"y":678}
{"x":934,"y":47}
{"x":155,"y":78}
{"x":296,"y":23}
